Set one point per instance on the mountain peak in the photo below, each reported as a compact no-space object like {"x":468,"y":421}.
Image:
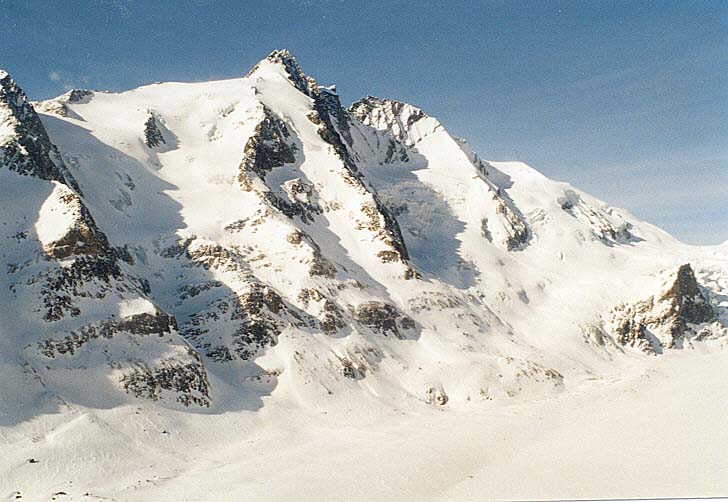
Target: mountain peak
{"x":369,"y":104}
{"x":685,"y":293}
{"x":283,"y":56}
{"x":386,"y":114}
{"x":7,"y":85}
{"x":285,"y":59}
{"x":13,"y":98}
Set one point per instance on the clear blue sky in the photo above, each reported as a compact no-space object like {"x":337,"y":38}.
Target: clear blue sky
{"x":625,"y":99}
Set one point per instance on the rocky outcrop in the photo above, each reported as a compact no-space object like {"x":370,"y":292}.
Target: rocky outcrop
{"x":266,"y":149}
{"x":24,"y":143}
{"x":333,"y":121}
{"x":59,"y":105}
{"x":62,"y":288}
{"x":272,"y":145}
{"x":330,"y":316}
{"x":605,"y":227}
{"x":436,"y":396}
{"x":319,"y":265}
{"x":153,"y":136}
{"x":383,"y":318}
{"x":80,"y":236}
{"x":157,"y":323}
{"x":269,"y":147}
{"x":516,"y":230}
{"x":665,"y":320}
{"x":238,"y":326}
{"x":179,"y":371}
{"x":77,"y":96}
{"x":67,"y":231}
{"x":394,"y":116}
{"x":185,"y":378}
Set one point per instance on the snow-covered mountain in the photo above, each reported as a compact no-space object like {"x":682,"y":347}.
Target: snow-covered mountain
{"x":241,"y":286}
{"x":248,"y":242}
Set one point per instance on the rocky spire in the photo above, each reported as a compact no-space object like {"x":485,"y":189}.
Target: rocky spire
{"x":688,"y":305}
{"x":24,"y":143}
{"x":664,"y":320}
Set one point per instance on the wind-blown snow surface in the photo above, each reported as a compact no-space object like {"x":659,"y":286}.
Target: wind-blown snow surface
{"x":301,"y":301}
{"x":647,"y":433}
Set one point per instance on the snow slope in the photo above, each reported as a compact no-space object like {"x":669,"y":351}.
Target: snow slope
{"x":223,"y":256}
{"x":626,"y":436}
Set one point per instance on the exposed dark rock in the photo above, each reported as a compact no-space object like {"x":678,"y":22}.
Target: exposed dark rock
{"x":184,"y":376}
{"x":62,"y":285}
{"x":351,"y":370}
{"x":666,"y":320}
{"x":333,"y":122}
{"x":266,"y":149}
{"x":383,"y":318}
{"x":302,"y":200}
{"x":220,"y":354}
{"x":214,"y":257}
{"x":517,"y":230}
{"x":437,"y":395}
{"x":633,"y":333}
{"x":392,"y":121}
{"x":388,"y":229}
{"x":122,"y":252}
{"x":395,"y":152}
{"x":59,"y":105}
{"x":79,"y":95}
{"x":255,"y":314}
{"x":687,"y":302}
{"x":320,"y":265}
{"x":389,"y":256}
{"x":331,"y":317}
{"x":301,"y":209}
{"x":187,"y":380}
{"x":83,"y":237}
{"x":603,"y":229}
{"x":329,"y":110}
{"x":145,"y":324}
{"x":152,"y":135}
{"x":90,"y":274}
{"x":369,"y":109}
{"x":191,"y":290}
{"x":30,"y":152}
{"x":94,"y":264}
{"x":270,"y":147}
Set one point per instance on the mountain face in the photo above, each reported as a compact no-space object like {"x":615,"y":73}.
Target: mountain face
{"x":70,"y":302}
{"x":210,"y":244}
